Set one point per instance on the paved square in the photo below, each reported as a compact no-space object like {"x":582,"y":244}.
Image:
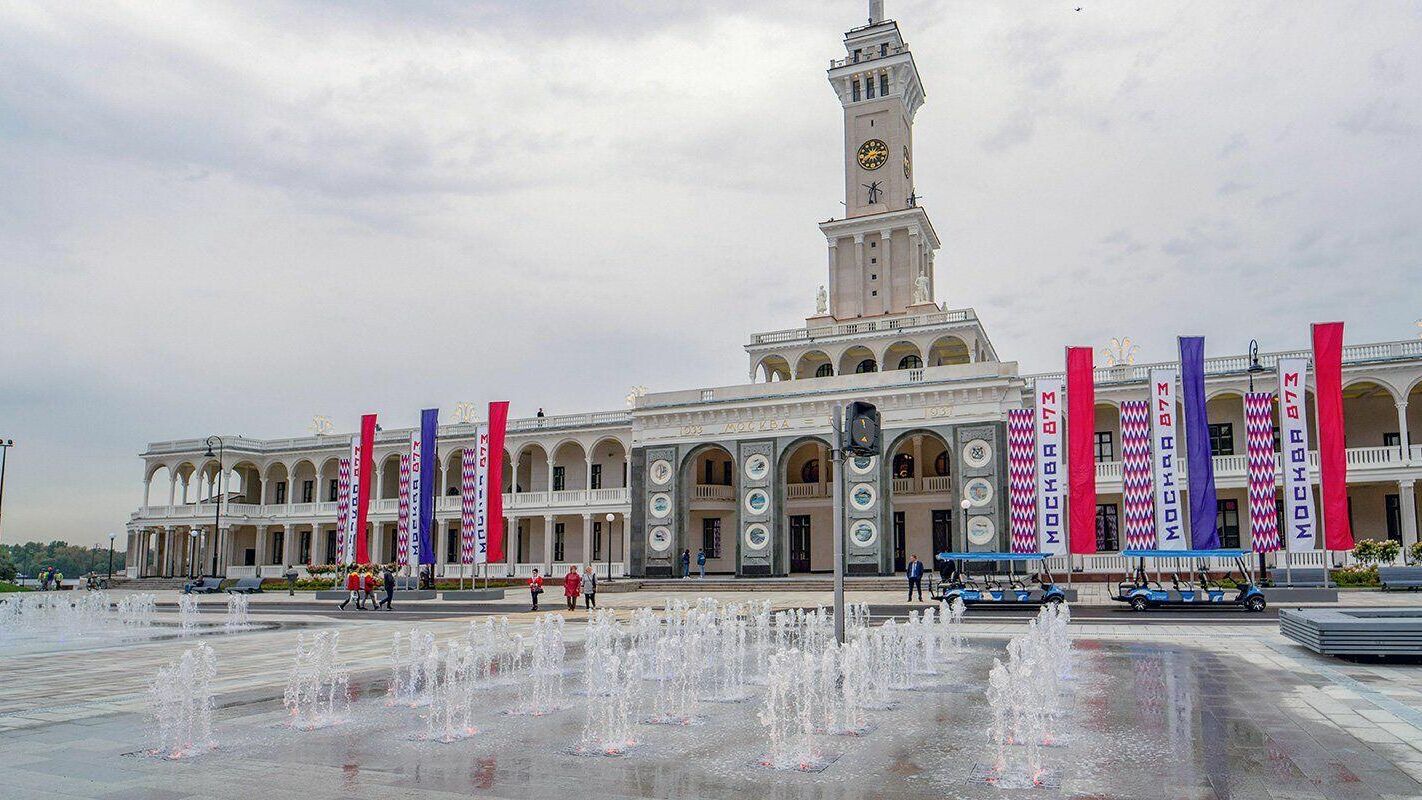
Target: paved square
{"x":1187,"y":711}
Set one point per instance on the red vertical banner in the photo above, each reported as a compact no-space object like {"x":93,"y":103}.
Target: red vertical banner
{"x":1332,"y":459}
{"x":367,"y":477}
{"x":498,"y":422}
{"x":1081,"y":462}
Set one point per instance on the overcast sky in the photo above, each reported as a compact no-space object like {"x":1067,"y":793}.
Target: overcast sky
{"x":229,"y":217}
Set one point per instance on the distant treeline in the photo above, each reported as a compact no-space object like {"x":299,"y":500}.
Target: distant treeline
{"x":71,"y":559}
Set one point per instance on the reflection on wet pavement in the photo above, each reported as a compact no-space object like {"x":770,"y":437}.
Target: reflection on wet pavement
{"x":1156,"y":719}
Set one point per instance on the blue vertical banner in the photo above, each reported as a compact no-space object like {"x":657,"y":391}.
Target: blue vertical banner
{"x":1200,"y":466}
{"x":429,"y":459}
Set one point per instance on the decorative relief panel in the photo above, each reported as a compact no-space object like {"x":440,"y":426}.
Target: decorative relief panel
{"x":758,"y":507}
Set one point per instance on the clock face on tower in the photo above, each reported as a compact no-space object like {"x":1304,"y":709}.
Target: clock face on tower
{"x":872,"y":154}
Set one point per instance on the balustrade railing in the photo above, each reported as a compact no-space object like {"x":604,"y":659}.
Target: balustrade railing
{"x":797,"y":491}
{"x":704,"y":491}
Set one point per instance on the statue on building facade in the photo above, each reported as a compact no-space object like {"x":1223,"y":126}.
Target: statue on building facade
{"x":920,"y":289}
{"x":821,"y":302}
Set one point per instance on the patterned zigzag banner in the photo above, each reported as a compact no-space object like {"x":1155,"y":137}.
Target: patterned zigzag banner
{"x":1022,"y":479}
{"x":1259,"y":444}
{"x":1136,"y":468}
{"x":343,"y":508}
{"x":468,"y":484}
{"x":402,"y":524}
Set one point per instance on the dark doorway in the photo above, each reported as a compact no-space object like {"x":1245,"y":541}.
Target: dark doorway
{"x":942,"y":533}
{"x":800,"y":543}
{"x":899,"y":542}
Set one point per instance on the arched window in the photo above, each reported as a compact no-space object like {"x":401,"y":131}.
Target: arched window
{"x":810,"y":471}
{"x":940,"y":464}
{"x":867,"y":365}
{"x":824,"y":371}
{"x":910,"y":362}
{"x":903,"y":465}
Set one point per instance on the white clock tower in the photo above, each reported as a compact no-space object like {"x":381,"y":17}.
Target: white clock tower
{"x":881,"y":254}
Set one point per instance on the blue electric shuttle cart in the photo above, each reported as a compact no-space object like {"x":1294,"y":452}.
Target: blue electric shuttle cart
{"x":996,"y":581}
{"x":1198,"y":590}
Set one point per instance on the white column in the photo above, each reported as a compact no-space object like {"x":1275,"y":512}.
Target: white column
{"x":263,"y":537}
{"x":228,"y":543}
{"x":587,"y":538}
{"x":511,"y":543}
{"x":1402,"y":431}
{"x":1407,"y":500}
{"x":172,"y":487}
{"x":859,"y":264}
{"x":550,"y":480}
{"x":886,"y":277}
{"x":547,"y":543}
{"x":587,"y":479}
{"x":830,"y":304}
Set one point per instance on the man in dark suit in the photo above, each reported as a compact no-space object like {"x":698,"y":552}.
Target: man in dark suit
{"x":915,"y":578}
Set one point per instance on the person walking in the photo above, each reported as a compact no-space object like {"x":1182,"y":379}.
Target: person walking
{"x":589,"y":588}
{"x":701,"y":562}
{"x":686,"y":563}
{"x":353,"y":587}
{"x":535,"y":587}
{"x":572,"y":585}
{"x":367,"y":585}
{"x":915,"y":577}
{"x":291,"y":576}
{"x":388,"y":577}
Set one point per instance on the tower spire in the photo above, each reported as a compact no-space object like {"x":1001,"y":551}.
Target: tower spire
{"x":876,"y":11}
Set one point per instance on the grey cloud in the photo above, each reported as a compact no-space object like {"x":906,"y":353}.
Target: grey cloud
{"x":1380,"y":117}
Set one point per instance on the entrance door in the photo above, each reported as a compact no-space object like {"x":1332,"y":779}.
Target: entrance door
{"x":800,"y":543}
{"x":899,"y":541}
{"x":942,"y":533}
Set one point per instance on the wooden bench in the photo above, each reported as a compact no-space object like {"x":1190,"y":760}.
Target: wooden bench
{"x":246,"y":586}
{"x":1400,"y":577}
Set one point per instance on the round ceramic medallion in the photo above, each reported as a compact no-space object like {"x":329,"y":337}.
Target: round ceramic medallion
{"x":863,"y":532}
{"x":862,"y":465}
{"x":661,"y":505}
{"x":757,"y":501}
{"x":977,"y":453}
{"x":862,"y":496}
{"x":757,"y":536}
{"x":659,"y":539}
{"x":978,"y":491}
{"x":757,"y":467}
{"x":981,"y":530}
{"x":660,"y":472}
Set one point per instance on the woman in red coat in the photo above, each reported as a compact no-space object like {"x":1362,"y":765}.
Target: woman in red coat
{"x":572,"y":586}
{"x":535,"y":587}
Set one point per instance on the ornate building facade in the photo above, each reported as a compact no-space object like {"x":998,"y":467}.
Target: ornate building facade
{"x":742,"y":472}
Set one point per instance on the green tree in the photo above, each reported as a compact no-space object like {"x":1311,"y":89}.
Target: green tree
{"x":7,"y":566}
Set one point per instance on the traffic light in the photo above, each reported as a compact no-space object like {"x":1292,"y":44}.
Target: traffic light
{"x":861,"y":429}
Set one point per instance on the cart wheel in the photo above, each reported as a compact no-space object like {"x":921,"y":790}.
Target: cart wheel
{"x":1255,"y":603}
{"x":1139,"y":603}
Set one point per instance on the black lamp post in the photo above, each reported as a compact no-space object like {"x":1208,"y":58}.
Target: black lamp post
{"x":217,"y":505}
{"x":192,"y":553}
{"x":5,"y":445}
{"x":112,"y":537}
{"x":1254,"y":367}
{"x":608,"y":544}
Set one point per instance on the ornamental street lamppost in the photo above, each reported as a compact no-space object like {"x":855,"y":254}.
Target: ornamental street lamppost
{"x":192,"y":553}
{"x":1254,"y":367}
{"x":608,"y":544}
{"x":217,"y":504}
{"x":112,"y":537}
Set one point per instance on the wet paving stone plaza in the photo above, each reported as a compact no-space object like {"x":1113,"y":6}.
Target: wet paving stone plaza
{"x":521,"y":705}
